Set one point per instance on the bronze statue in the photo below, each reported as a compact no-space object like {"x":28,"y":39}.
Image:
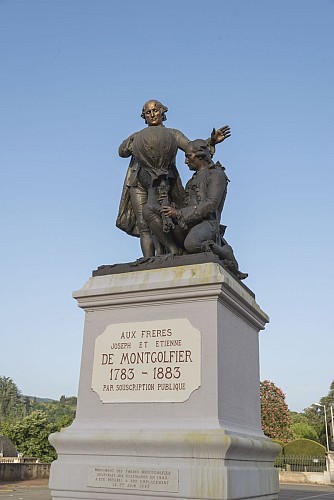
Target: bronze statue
{"x":152,"y":176}
{"x":197,"y":223}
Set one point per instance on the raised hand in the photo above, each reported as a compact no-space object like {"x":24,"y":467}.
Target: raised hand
{"x":220,"y":135}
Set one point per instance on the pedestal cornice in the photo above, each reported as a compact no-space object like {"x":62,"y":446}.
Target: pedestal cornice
{"x":181,"y":283}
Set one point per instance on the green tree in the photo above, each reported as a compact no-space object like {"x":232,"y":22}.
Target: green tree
{"x":329,"y":399}
{"x":62,"y":410}
{"x":12,"y":407}
{"x":304,"y":430}
{"x":275,"y":416}
{"x":301,"y":427}
{"x":316,"y":416}
{"x":28,"y":421}
{"x":30,"y":436}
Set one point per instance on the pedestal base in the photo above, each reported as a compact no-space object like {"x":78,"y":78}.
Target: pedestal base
{"x":167,"y":464}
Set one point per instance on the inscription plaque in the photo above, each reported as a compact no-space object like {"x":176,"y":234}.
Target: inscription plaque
{"x":151,"y":361}
{"x":134,"y":478}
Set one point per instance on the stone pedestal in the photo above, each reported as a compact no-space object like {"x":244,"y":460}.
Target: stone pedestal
{"x":330,"y":467}
{"x":179,"y":416}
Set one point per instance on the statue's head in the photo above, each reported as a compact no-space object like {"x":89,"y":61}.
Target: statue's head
{"x":197,"y":154}
{"x":154,"y":112}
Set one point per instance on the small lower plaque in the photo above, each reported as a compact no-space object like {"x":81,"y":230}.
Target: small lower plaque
{"x":134,"y":478}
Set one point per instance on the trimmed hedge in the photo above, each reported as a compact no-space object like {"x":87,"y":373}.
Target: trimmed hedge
{"x":277,"y":441}
{"x":304,"y":447}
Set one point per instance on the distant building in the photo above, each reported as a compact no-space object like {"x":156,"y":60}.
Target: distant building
{"x":7,"y":448}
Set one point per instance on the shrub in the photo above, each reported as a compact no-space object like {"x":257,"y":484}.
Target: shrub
{"x":277,"y":441}
{"x":304,"y":447}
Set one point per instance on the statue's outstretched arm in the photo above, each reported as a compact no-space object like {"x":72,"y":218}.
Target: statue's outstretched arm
{"x":216,"y":137}
{"x":181,"y":139}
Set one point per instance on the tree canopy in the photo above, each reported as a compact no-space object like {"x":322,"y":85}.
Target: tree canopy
{"x":275,"y":416}
{"x":28,"y":422}
{"x":30,"y":436}
{"x":12,"y":406}
{"x":315,"y":415}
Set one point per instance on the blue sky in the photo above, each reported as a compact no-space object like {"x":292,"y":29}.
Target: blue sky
{"x":74,"y":76}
